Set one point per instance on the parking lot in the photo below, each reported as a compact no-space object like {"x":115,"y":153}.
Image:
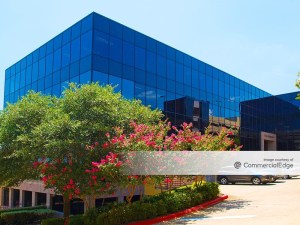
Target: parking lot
{"x":275,"y":203}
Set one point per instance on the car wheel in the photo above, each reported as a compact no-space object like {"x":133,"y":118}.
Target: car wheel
{"x":224,"y":180}
{"x":256,"y":180}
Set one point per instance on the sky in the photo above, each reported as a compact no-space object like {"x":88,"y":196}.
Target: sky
{"x":256,"y":41}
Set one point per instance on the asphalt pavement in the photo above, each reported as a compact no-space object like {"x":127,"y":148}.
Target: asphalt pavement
{"x":275,"y":204}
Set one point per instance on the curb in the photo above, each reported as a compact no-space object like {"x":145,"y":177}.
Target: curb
{"x":180,"y":213}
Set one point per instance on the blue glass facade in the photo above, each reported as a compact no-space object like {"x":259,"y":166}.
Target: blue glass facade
{"x":99,"y":49}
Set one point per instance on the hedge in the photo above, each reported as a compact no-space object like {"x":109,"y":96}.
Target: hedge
{"x":22,"y":208}
{"x":150,"y":207}
{"x":20,"y":217}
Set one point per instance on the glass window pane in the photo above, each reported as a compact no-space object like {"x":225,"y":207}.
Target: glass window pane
{"x":85,"y":78}
{"x":140,"y":40}
{"x":151,"y":97}
{"x":128,"y":54}
{"x":74,"y":69}
{"x":102,"y":78}
{"x":128,"y":72}
{"x":161,"y":83}
{"x":115,"y":50}
{"x":65,"y":74}
{"x":115,"y":68}
{"x":151,"y":62}
{"x":75,"y":50}
{"x":76,"y":29}
{"x":49,"y":63}
{"x":101,"y":23}
{"x":100,"y":64}
{"x":115,"y":82}
{"x":140,"y":58}
{"x":57,"y":60}
{"x":187,"y":78}
{"x":86,"y":64}
{"x":179,"y":72}
{"x":65,"y":55}
{"x":170,"y":69}
{"x":101,"y":42}
{"x":87,"y":23}
{"x":86,"y":44}
{"x":139,"y":92}
{"x":161,"y":66}
{"x":128,"y":34}
{"x":56,"y":42}
{"x":140,"y":76}
{"x":28,"y":75}
{"x":66,"y":36}
{"x":35,"y":71}
{"x":128,"y":89}
{"x":42,"y":67}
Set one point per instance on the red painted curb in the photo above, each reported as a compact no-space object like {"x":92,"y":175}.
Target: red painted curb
{"x":180,"y":213}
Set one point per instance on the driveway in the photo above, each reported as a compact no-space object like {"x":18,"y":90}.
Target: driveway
{"x":277,"y":204}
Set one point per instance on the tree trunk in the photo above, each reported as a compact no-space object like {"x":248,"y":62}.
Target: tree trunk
{"x":67,"y":206}
{"x":89,"y":202}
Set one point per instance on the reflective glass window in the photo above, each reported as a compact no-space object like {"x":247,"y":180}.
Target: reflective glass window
{"x":194,"y":64}
{"x":202,"y":67}
{"x":187,"y":78}
{"x":34,"y":86}
{"x":49,"y":47}
{"x":209,"y":84}
{"x":115,"y":50}
{"x":161,"y":66}
{"x":171,"y":86}
{"x":187,"y":90}
{"x":41,"y":84}
{"x":179,"y":57}
{"x":128,"y":54}
{"x":101,"y":42}
{"x":151,"y":45}
{"x":29,"y":59}
{"x":115,"y":29}
{"x":151,"y":97}
{"x":76,"y":29}
{"x":139,"y":92}
{"x":42,"y":68}
{"x":128,"y":89}
{"x":187,"y":60}
{"x":151,"y":79}
{"x":161,"y":83}
{"x":115,"y":82}
{"x":170,"y":103}
{"x":85,"y":77}
{"x":12,"y":84}
{"x":48,"y":81}
{"x":22,"y":78}
{"x":35,"y":55}
{"x":42,"y":52}
{"x":100,"y":64}
{"x":23,"y":63}
{"x":208,"y":70}
{"x":56,"y":90}
{"x":65,"y":55}
{"x":56,"y":78}
{"x":48,"y":91}
{"x":195,"y":79}
{"x":140,"y":39}
{"x":102,"y":78}
{"x":85,"y":64}
{"x":18,"y":67}
{"x":140,"y":58}
{"x":17,"y":81}
{"x":171,"y":69}
{"x":35,"y":71}
{"x":75,"y":79}
{"x":74,"y":69}
{"x":49,"y":63}
{"x":161,"y":49}
{"x":140,"y":76}
{"x":115,"y":68}
{"x":161,"y":98}
{"x":87,"y":23}
{"x":171,"y":53}
{"x":56,"y":44}
{"x":179,"y":72}
{"x":65,"y":74}
{"x":75,"y":50}
{"x":101,"y":23}
{"x":66,"y":36}
{"x":179,"y":88}
{"x":128,"y":72}
{"x":86,"y":44}
{"x":151,"y":62}
{"x":28,"y":75}
{"x":195,"y":93}
{"x":215,"y":87}
{"x":128,"y":34}
{"x":202,"y":81}
{"x":57,"y":60}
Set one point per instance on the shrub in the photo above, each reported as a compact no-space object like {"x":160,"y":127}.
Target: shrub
{"x":25,"y":216}
{"x":22,"y":209}
{"x":74,"y":220}
{"x":209,"y":190}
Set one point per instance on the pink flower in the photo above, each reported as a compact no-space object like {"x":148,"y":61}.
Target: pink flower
{"x":168,"y":180}
{"x":95,"y":164}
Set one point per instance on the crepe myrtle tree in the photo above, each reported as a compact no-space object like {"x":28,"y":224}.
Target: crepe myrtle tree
{"x":49,"y":138}
{"x":155,"y":138}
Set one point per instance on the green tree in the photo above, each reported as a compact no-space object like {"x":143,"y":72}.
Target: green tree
{"x":58,"y":140}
